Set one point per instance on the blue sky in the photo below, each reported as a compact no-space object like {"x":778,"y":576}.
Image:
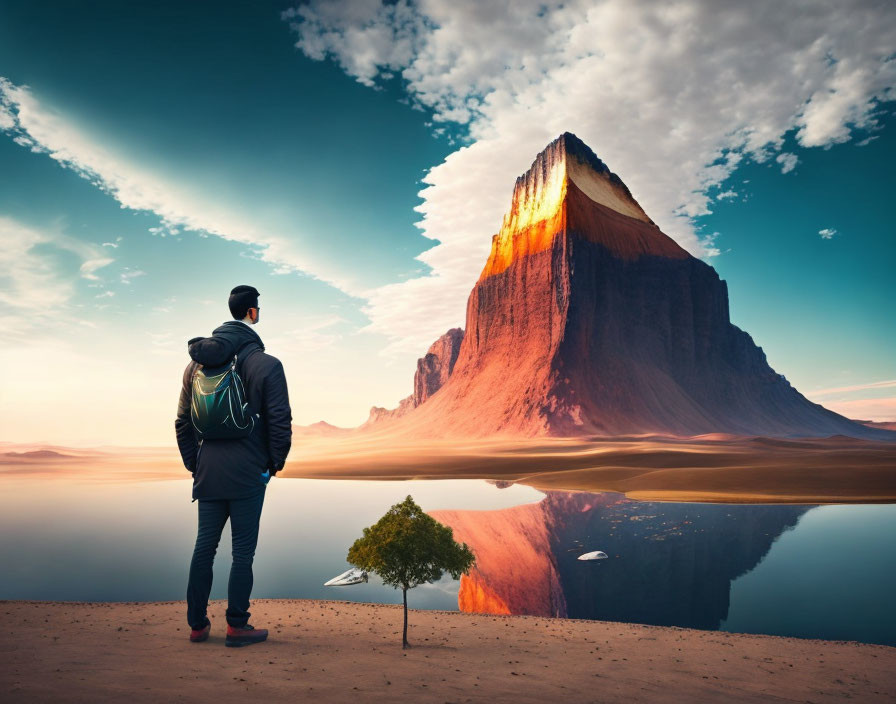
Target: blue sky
{"x":352,"y":160}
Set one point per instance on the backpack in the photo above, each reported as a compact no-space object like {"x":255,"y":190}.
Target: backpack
{"x":219,"y":409}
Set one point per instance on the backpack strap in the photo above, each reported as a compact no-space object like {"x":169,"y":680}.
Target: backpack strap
{"x":239,"y":356}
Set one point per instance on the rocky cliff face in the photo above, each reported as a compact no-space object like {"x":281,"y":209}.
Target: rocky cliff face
{"x":379,"y":414}
{"x":434,"y":368}
{"x":587,"y":319}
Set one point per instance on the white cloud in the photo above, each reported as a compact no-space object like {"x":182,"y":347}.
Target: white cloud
{"x":129,"y":275}
{"x":670,"y":95}
{"x":376,"y":37}
{"x":91,"y":265}
{"x":7,"y":119}
{"x":787,"y":161}
{"x":180,"y":206}
{"x":827,"y":233}
{"x":38,"y":279}
{"x":886,"y":384}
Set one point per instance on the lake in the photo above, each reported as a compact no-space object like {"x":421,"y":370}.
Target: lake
{"x":808,"y":571}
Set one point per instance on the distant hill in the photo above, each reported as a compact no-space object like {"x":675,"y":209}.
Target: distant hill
{"x":321,"y":428}
{"x":37,"y":455}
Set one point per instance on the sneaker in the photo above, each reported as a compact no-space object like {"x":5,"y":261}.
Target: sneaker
{"x":197,"y":635}
{"x":238,"y":637}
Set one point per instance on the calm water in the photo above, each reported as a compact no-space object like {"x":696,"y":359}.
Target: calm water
{"x":825,"y":571}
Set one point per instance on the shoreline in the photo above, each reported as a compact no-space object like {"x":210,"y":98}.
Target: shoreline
{"x":348,"y":652}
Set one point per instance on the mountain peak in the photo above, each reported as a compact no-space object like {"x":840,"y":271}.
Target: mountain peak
{"x":573,"y":146}
{"x":541,"y":209}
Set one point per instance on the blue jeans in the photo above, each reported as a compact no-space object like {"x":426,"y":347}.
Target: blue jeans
{"x":244,"y":515}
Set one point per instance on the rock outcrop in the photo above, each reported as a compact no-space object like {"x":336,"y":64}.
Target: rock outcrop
{"x":434,"y":368}
{"x":587,"y":319}
{"x":379,"y":414}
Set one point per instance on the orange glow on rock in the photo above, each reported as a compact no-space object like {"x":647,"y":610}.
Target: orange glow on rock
{"x":561,"y":194}
{"x":474,"y":597}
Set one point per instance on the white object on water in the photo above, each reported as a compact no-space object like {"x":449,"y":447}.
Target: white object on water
{"x":596,"y":555}
{"x":346,"y":579}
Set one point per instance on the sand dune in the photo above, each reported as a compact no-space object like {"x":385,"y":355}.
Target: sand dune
{"x":707,"y":468}
{"x":656,"y":468}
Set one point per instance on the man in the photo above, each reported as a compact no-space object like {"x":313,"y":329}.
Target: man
{"x":230,"y":475}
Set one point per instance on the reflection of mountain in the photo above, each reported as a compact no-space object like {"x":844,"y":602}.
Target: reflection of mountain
{"x":669,"y":564}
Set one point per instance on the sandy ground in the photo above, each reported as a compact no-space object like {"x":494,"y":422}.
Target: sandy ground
{"x":344,"y":652}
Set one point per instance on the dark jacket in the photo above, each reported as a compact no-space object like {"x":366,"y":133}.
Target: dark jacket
{"x":238,"y":468}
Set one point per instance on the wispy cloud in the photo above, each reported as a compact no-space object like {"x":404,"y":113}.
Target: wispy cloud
{"x":870,"y":404}
{"x":648,"y":85}
{"x":38,"y":283}
{"x":91,"y":265}
{"x":180,"y":206}
{"x":129,"y":275}
{"x":888,"y":384}
{"x":311,"y":335}
{"x":165,"y":343}
{"x":827,"y":233}
{"x":876,"y":409}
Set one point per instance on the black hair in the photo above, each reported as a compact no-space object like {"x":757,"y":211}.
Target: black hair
{"x":242,"y":298}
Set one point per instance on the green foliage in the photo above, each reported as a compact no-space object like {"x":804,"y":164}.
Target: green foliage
{"x":407,"y":547}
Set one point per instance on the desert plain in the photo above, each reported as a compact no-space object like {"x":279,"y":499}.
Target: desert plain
{"x":717,"y":468}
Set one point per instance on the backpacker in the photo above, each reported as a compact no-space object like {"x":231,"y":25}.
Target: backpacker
{"x":219,"y":409}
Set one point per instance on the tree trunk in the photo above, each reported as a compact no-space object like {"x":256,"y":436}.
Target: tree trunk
{"x":404,"y":635}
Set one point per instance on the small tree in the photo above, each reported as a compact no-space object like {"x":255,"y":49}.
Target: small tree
{"x":406,"y":548}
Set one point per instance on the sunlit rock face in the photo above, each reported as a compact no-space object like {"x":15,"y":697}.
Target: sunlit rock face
{"x":587,"y":319}
{"x":668,"y":564}
{"x":567,"y":173}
